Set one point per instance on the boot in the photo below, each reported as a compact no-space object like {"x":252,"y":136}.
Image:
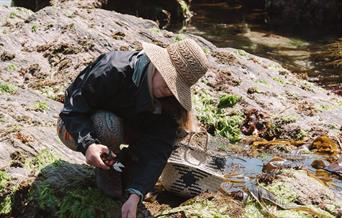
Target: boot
{"x":109,"y":182}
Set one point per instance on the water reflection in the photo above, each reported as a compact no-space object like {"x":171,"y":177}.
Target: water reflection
{"x":6,"y":2}
{"x":300,"y":51}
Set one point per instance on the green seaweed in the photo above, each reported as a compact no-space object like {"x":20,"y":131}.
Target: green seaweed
{"x":298,"y":43}
{"x":185,"y":8}
{"x":283,"y":192}
{"x":4,"y":178}
{"x":41,"y":106}
{"x":43,"y":158}
{"x":178,"y":37}
{"x":263,"y":82}
{"x":197,"y":208}
{"x":302,"y":134}
{"x":85,"y":203}
{"x":155,"y":30}
{"x":7,"y":88}
{"x":12,"y":15}
{"x":252,"y":210}
{"x":206,"y":51}
{"x":34,"y":28}
{"x":279,"y":80}
{"x":75,"y":201}
{"x":325,"y":107}
{"x":241,"y":52}
{"x":214,"y":117}
{"x":228,"y":100}
{"x":11,"y":67}
{"x":289,"y":119}
{"x":44,"y":194}
{"x":5,"y":205}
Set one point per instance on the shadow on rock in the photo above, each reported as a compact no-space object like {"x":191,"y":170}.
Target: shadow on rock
{"x":63,"y":189}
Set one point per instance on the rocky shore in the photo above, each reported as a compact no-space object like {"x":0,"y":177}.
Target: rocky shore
{"x":247,"y":100}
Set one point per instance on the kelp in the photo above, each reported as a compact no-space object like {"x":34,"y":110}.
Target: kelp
{"x":265,"y":144}
{"x":333,"y":51}
{"x":323,"y":144}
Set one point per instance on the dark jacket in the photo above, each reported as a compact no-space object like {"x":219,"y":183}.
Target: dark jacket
{"x":107,"y":84}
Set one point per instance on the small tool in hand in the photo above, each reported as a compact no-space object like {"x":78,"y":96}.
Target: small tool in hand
{"x":117,"y":166}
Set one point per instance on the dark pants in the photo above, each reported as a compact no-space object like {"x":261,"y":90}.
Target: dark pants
{"x":109,"y":130}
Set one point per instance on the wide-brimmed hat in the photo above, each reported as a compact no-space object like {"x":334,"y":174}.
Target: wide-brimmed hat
{"x":181,"y":64}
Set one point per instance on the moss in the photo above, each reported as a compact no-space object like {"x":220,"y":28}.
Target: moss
{"x":228,"y":100}
{"x":44,"y":158}
{"x":41,"y":106}
{"x":7,"y":88}
{"x":11,"y":67}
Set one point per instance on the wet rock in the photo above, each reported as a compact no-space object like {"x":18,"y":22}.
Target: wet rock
{"x":299,"y":13}
{"x":318,"y":164}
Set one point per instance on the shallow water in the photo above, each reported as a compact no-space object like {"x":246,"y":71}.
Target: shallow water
{"x":238,"y":167}
{"x":232,"y":26}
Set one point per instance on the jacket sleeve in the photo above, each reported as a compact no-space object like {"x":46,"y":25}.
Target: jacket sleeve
{"x":90,"y":90}
{"x":153,"y":148}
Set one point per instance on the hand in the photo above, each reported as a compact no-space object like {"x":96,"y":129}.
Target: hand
{"x":129,"y":208}
{"x":93,"y":156}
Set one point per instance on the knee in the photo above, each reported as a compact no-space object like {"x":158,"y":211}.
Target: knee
{"x":65,"y":136}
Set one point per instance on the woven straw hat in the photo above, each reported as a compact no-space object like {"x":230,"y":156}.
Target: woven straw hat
{"x":181,"y":64}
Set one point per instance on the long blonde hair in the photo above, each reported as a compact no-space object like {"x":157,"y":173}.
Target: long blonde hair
{"x":187,"y":122}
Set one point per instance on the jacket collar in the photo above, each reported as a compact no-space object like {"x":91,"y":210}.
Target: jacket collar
{"x":143,"y":99}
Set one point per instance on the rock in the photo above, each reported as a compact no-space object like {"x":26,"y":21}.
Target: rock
{"x":52,"y":45}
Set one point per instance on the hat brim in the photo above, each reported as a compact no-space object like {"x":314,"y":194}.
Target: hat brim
{"x":161,"y":60}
